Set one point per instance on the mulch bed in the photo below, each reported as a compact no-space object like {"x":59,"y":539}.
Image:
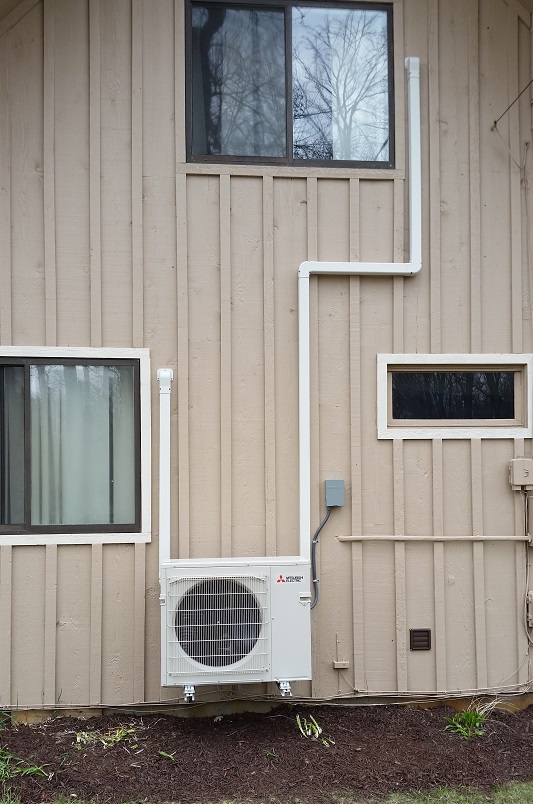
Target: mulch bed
{"x":264,"y":757}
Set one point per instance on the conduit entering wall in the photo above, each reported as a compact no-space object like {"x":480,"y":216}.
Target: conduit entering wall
{"x":307,"y":269}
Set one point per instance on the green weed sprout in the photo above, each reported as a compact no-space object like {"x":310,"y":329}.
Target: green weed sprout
{"x":11,"y":766}
{"x":470,"y":722}
{"x":311,"y":729}
{"x":108,"y":739}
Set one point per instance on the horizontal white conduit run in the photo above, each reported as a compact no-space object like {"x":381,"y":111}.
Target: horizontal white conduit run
{"x":309,"y":268}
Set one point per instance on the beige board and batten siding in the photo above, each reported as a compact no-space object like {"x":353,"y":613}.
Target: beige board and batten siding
{"x":108,"y":238}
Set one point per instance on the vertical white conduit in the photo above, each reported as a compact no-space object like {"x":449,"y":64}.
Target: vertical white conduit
{"x":164,"y":377}
{"x":308,"y":268}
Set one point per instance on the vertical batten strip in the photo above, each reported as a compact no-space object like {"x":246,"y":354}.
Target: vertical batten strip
{"x":398,"y":455}
{"x":438,"y":493}
{"x":438,"y":567}
{"x":95,"y":667}
{"x":225,"y":368}
{"x":312,"y":254}
{"x":519,"y":452}
{"x":475,"y":176}
{"x":269,"y":361}
{"x":356,"y":448}
{"x":49,"y":176}
{"x":182,"y":379}
{"x":139,"y":622}
{"x":434,"y":172}
{"x":399,"y":565}
{"x":6,"y":582}
{"x":478,"y":557}
{"x":95,"y":170}
{"x":182,"y":286}
{"x":356,"y":452}
{"x":477,"y":489}
{"x":398,"y":281}
{"x":358,"y":618}
{"x":50,"y":629}
{"x":5,"y":196}
{"x":401,"y":616}
{"x":137,"y":174}
{"x":515,"y":183}
{"x":521,"y":558}
{"x":440,"y":616}
{"x":312,"y":251}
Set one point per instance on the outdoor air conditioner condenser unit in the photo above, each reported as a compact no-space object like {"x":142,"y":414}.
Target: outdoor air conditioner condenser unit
{"x":235,"y":621}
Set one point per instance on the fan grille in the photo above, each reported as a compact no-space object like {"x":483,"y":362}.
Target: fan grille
{"x":218,"y":621}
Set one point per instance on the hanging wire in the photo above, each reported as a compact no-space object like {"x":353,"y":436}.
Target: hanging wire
{"x":495,"y":125}
{"x":521,"y":166}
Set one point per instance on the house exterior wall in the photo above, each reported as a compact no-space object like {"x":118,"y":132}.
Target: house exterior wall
{"x":108,"y":238}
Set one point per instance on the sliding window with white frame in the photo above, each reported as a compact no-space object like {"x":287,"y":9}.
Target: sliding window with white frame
{"x":74,"y":445}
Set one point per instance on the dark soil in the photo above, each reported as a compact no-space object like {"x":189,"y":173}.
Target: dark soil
{"x":263,"y":758}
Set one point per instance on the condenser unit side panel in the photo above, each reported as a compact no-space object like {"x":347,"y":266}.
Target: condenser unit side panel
{"x":291,"y":623}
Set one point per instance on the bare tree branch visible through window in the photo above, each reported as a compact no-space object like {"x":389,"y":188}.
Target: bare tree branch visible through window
{"x":337,"y":75}
{"x":453,"y":395}
{"x":340,"y":84}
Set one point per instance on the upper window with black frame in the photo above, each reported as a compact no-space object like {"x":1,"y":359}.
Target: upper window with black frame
{"x":290,"y":83}
{"x":69,"y":445}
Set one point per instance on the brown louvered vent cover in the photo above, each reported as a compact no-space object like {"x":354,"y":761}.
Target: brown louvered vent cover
{"x":420,"y":638}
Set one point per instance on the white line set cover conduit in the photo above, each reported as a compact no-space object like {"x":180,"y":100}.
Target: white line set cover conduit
{"x":307,"y":269}
{"x":164,"y":377}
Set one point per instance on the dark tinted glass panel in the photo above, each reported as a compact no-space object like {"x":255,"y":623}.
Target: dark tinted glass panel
{"x":340,"y":64}
{"x":11,"y":445}
{"x":453,"y":395}
{"x":238,"y":81}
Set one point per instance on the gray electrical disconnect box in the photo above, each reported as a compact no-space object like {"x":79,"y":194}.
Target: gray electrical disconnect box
{"x":521,"y":474}
{"x":334,"y":493}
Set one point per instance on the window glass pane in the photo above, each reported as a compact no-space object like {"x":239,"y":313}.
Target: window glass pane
{"x":340,"y":84}
{"x":82,"y":444}
{"x":11,"y":445}
{"x":453,"y":395}
{"x":238,"y":81}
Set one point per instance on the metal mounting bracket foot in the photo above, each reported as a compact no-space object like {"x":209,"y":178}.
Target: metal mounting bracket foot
{"x":189,"y":693}
{"x":284,"y":688}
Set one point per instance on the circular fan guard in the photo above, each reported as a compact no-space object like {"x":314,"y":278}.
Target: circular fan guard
{"x":218,"y":621}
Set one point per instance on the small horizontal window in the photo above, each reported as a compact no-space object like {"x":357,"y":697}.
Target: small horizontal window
{"x":426,"y":396}
{"x":70,"y":445}
{"x":290,"y":82}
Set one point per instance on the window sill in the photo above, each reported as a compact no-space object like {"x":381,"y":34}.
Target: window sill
{"x":24,"y":539}
{"x":287,"y":171}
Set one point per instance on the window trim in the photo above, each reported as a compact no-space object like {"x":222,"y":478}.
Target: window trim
{"x":288,"y":160}
{"x":454,"y":428}
{"x":62,"y":535}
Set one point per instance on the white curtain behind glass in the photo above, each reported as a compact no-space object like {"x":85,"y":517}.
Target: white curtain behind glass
{"x":82,"y":445}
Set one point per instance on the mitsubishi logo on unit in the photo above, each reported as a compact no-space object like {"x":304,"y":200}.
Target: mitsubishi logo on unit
{"x":290,"y":579}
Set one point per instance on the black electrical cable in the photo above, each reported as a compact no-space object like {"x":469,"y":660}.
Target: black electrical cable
{"x":313,"y":558}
